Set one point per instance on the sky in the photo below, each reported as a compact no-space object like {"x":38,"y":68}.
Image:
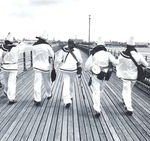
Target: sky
{"x":115,"y":20}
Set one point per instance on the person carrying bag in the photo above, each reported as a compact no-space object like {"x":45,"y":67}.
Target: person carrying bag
{"x":128,"y":70}
{"x":141,"y":74}
{"x":98,"y":64}
{"x":69,"y":62}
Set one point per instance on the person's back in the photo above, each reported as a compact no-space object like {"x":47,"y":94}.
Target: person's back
{"x":41,"y":54}
{"x":10,"y":60}
{"x":126,"y":68}
{"x":127,"y":71}
{"x":69,"y":63}
{"x":98,"y":63}
{"x":102,"y":59}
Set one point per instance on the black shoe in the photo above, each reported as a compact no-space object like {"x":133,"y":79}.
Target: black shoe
{"x":37,"y":103}
{"x":49,"y":97}
{"x":129,"y":113}
{"x":97,"y":115}
{"x":67,"y":105}
{"x":12,"y":102}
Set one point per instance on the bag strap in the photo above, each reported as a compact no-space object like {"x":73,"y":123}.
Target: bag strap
{"x":74,"y":56}
{"x":66,"y":57}
{"x":133,"y":60}
{"x":53,"y":59}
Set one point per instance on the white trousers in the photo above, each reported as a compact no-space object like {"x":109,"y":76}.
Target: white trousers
{"x":9,"y":83}
{"x":126,"y":93}
{"x":40,"y":77}
{"x":97,"y":88}
{"x":68,"y":79}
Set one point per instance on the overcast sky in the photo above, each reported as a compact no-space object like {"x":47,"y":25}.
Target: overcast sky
{"x":63,"y":19}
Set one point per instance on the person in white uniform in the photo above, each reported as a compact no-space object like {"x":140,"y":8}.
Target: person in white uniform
{"x":97,"y":64}
{"x":69,"y":66}
{"x":43,"y":54}
{"x":127,"y":71}
{"x":10,"y":67}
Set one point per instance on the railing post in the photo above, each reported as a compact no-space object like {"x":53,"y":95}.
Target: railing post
{"x":146,"y":58}
{"x":31,"y":58}
{"x":24,"y":61}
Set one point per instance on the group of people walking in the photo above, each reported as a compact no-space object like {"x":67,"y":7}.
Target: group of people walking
{"x":69,"y":61}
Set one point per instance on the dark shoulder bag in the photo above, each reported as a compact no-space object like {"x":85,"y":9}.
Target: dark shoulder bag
{"x":109,"y":72}
{"x":141,"y":70}
{"x":53,"y":72}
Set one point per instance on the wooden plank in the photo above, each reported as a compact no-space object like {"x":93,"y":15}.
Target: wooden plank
{"x":117,"y":123}
{"x":10,"y":116}
{"x":139,"y":113}
{"x":45,"y":114}
{"x":58,"y":128}
{"x":81,"y":111}
{"x":13,"y":119}
{"x":56,"y":115}
{"x":88,"y":111}
{"x":98,"y":122}
{"x":76,"y":130}
{"x":50,"y":116}
{"x":135,"y":133}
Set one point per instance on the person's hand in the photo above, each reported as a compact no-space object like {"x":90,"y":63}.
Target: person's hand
{"x":53,"y":75}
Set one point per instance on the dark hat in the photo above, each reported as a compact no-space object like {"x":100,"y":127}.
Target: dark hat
{"x":71,"y":44}
{"x":43,"y":36}
{"x":70,"y":41}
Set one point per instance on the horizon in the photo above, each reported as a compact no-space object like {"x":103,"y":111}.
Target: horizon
{"x":115,"y":20}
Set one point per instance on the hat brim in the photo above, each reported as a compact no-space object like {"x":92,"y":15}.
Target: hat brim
{"x":40,"y":38}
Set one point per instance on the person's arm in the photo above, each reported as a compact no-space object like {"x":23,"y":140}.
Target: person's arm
{"x":143,"y":61}
{"x":59,"y":58}
{"x":88,"y":63}
{"x":113,"y":59}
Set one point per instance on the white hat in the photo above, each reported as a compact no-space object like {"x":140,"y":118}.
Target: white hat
{"x":9,"y":37}
{"x":100,"y":42}
{"x":43,"y":36}
{"x":131,"y":41}
{"x":96,"y":69}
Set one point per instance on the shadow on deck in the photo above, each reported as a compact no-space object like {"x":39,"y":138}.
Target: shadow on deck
{"x":24,"y":121}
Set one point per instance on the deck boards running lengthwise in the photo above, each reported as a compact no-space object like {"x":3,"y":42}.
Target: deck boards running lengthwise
{"x":51,"y":121}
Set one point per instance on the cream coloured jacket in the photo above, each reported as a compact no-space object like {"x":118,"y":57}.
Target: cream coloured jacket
{"x":67,"y":62}
{"x":10,"y":59}
{"x":126,"y":69}
{"x":41,"y":54}
{"x":101,"y":59}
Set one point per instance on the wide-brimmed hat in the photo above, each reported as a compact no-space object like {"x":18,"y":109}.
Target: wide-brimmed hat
{"x":43,"y":36}
{"x":9,"y":38}
{"x":100,"y":42}
{"x":131,"y":42}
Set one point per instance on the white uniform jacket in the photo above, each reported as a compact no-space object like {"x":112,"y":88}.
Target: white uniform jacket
{"x":10,"y":59}
{"x":101,"y":59}
{"x":126,"y":69}
{"x":67,"y":61}
{"x":41,"y":54}
{"x":1,"y":53}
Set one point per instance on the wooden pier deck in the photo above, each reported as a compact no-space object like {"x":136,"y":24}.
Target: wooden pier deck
{"x":51,"y":121}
